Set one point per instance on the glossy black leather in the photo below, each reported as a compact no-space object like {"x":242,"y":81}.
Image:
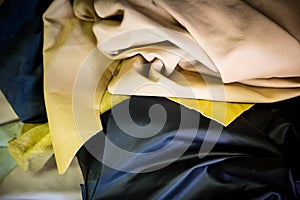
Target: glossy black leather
{"x":256,"y":157}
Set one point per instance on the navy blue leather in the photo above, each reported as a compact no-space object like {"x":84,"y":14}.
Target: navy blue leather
{"x":21,"y":61}
{"x":254,"y":158}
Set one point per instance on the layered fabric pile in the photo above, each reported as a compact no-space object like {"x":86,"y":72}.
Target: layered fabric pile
{"x":161,"y":99}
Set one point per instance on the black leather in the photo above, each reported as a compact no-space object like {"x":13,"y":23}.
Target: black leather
{"x":255,"y":157}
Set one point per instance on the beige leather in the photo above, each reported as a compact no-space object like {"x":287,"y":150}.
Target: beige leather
{"x":214,"y":50}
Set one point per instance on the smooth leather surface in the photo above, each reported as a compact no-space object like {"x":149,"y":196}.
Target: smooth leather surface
{"x":254,"y":158}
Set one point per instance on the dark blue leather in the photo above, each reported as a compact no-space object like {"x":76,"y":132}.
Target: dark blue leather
{"x":256,"y":157}
{"x":21,"y":61}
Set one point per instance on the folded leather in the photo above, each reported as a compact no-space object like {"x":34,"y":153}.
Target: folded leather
{"x":242,"y":43}
{"x":166,"y":48}
{"x":254,"y":157}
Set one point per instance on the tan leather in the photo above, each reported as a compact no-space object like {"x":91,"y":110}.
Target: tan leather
{"x":215,"y":50}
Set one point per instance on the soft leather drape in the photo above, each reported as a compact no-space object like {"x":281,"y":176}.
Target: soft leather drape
{"x":254,"y":158}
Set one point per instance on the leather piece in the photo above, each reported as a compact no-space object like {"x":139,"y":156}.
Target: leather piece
{"x":21,"y":59}
{"x":254,"y":157}
{"x":87,"y":31}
